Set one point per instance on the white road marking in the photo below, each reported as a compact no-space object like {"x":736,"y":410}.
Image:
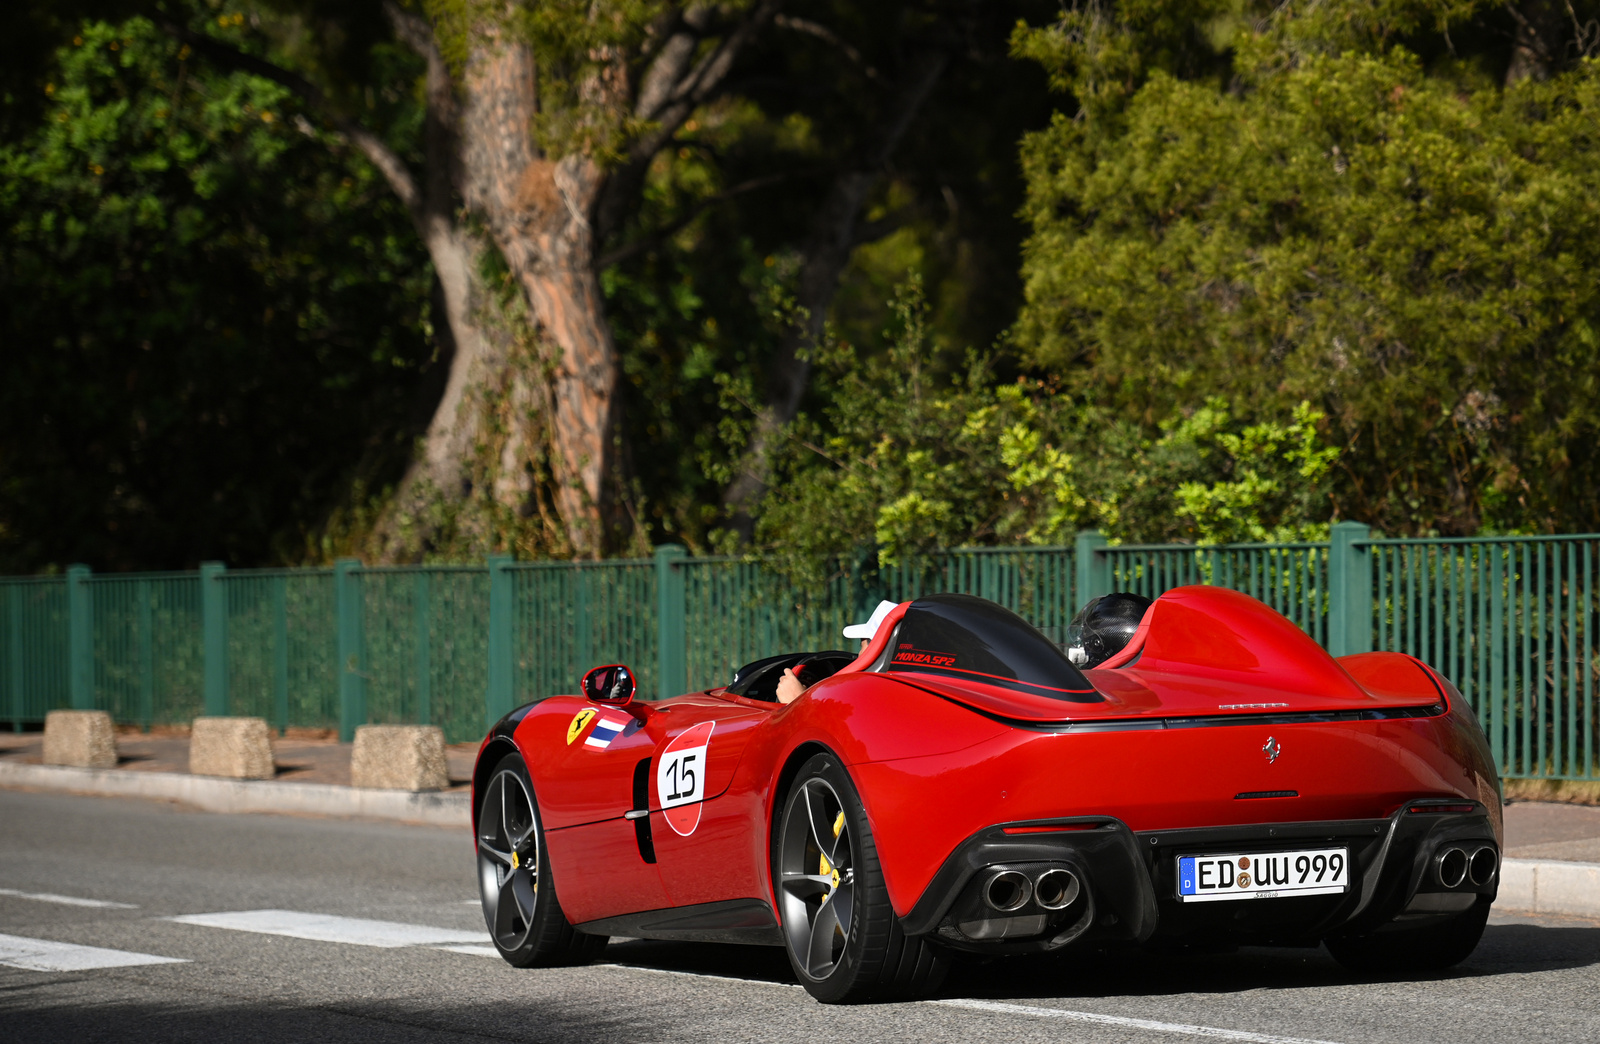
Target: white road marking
{"x":1122,"y":1021}
{"x":999,"y":1008}
{"x":328,"y":928}
{"x":66,"y":900}
{"x":475,"y":951}
{"x":44,"y":955}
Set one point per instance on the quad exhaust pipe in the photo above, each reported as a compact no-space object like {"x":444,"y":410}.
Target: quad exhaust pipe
{"x":1454,"y":866}
{"x":1482,"y":865}
{"x":1054,"y":888}
{"x":1007,"y":890}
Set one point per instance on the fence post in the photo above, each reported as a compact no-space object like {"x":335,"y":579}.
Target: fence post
{"x":423,"y":665}
{"x":352,"y":661}
{"x":502,"y":596}
{"x":1349,"y":589}
{"x":1093,"y":566}
{"x":80,"y":639}
{"x":147,"y":666}
{"x":14,"y":636}
{"x":214,"y":637}
{"x":280,"y":652}
{"x":672,"y":668}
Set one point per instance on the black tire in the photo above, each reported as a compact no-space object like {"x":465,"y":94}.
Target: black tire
{"x":842,"y":936}
{"x":1406,"y":951}
{"x":514,"y":882}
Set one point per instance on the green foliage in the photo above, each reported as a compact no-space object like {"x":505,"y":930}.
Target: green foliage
{"x":698,"y":314}
{"x":907,"y":461}
{"x":214,"y":325}
{"x":1262,"y":482}
{"x":1404,"y":245}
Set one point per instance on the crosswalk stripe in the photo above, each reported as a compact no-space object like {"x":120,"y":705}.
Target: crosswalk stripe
{"x":66,"y":900}
{"x":329,"y":928}
{"x":475,"y":951}
{"x":44,"y":955}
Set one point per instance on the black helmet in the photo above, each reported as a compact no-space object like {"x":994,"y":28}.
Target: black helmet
{"x":1104,"y":627}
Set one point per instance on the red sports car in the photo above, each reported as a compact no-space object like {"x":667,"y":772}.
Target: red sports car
{"x":961,"y":785}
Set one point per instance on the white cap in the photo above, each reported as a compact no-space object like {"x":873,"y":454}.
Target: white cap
{"x":870,"y":628}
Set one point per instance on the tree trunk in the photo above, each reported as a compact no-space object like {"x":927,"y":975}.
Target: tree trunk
{"x":539,"y":214}
{"x":521,"y":413}
{"x":1540,"y":40}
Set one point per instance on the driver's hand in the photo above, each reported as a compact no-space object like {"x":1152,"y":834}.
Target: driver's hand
{"x":789,"y":686}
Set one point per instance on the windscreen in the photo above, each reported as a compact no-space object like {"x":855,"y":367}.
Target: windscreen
{"x":963,"y":637}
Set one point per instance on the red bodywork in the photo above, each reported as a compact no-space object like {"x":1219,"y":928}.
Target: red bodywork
{"x":937,"y":759}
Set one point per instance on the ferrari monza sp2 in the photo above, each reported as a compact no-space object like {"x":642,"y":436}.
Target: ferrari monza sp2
{"x":959,"y":786}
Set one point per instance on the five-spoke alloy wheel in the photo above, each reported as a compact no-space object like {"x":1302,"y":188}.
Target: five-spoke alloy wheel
{"x":842,"y":935}
{"x":519,"y":903}
{"x":817,"y":878}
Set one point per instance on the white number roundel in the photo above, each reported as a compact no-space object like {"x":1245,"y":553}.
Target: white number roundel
{"x":681,"y":777}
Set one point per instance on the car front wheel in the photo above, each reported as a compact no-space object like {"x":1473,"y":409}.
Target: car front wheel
{"x":514,"y":883}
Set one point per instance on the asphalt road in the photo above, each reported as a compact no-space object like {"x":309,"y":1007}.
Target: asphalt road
{"x":412,"y":888}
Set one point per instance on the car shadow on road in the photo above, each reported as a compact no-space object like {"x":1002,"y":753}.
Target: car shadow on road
{"x":1124,"y":971}
{"x":1133,"y":971}
{"x":750,"y":963}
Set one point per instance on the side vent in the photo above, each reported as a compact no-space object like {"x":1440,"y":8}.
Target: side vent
{"x":641,"y":811}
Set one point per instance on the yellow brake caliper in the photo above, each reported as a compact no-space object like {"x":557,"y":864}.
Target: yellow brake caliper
{"x":827,"y":869}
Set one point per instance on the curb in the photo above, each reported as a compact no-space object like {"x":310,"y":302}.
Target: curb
{"x":1549,"y":886}
{"x":239,"y":795}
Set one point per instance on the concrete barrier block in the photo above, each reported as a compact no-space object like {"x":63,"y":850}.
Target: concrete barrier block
{"x":80,"y":738}
{"x":1568,"y":888}
{"x":238,"y":748}
{"x":1517,"y":885}
{"x":399,"y":757}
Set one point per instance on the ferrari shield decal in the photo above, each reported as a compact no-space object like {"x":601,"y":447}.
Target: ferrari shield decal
{"x":681,"y":777}
{"x":609,"y":727}
{"x":579,"y":720}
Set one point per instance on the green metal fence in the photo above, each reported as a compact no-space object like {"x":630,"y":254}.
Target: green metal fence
{"x":1512,"y":621}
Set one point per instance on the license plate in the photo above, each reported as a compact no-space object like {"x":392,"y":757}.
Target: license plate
{"x":1263,"y":875}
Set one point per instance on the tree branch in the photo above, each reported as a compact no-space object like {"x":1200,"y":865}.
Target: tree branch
{"x":823,"y":33}
{"x":439,"y":126}
{"x":410,"y":29}
{"x":669,"y":91}
{"x":381,"y":156}
{"x":670,"y":63}
{"x":690,"y":87}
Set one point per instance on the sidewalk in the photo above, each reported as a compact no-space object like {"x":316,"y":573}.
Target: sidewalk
{"x":313,"y":777}
{"x":303,"y":756}
{"x":1552,"y":851}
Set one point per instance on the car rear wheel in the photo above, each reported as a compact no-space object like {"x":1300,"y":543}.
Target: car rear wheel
{"x":1402,"y":951}
{"x":843,"y":938}
{"x":519,"y":899}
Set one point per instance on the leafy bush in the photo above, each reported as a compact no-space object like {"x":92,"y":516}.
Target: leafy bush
{"x":906,"y":461}
{"x":1316,"y":214}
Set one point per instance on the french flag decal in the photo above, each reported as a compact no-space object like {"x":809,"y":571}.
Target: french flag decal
{"x":608,"y":728}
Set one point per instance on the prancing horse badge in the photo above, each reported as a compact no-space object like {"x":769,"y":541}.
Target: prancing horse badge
{"x":1272,"y":748}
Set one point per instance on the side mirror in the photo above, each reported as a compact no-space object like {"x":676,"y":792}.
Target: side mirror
{"x":612,"y":685}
